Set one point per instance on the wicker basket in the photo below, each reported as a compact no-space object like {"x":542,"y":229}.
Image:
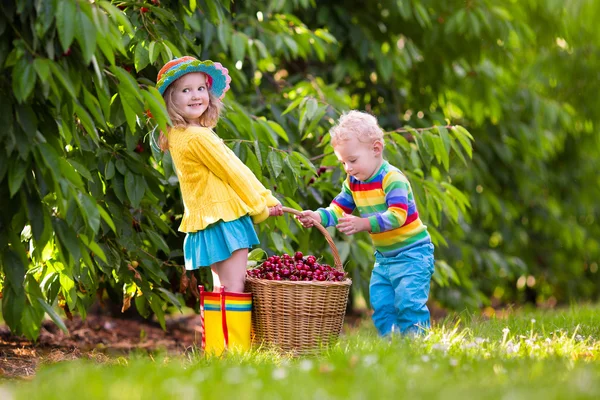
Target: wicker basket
{"x":299,"y":316}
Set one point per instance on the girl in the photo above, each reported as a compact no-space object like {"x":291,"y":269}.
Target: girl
{"x":221,"y":196}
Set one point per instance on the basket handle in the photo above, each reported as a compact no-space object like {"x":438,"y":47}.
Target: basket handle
{"x":336,"y":255}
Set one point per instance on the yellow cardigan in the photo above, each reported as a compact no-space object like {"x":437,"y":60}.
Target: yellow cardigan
{"x":215,"y":184}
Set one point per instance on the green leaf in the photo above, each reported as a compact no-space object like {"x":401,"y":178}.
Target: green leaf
{"x":465,"y":139}
{"x":65,"y":22}
{"x":238,"y":46}
{"x":89,"y":210}
{"x":275,"y":127}
{"x":36,"y":216}
{"x":404,"y":8}
{"x":105,"y":46}
{"x":311,"y":108}
{"x":158,"y":241}
{"x":93,"y":106}
{"x":172,"y":298}
{"x":422,"y":15}
{"x":141,"y":58}
{"x":53,"y":315}
{"x":67,"y":238}
{"x":258,"y":152}
{"x":156,"y":305}
{"x":305,"y":161}
{"x":23,"y":78}
{"x":63,"y":78}
{"x":16,"y":174}
{"x":69,"y":172}
{"x":130,"y":114}
{"x":94,"y":247}
{"x":13,"y":267}
{"x":42,"y":67}
{"x":127,"y":83}
{"x":135,"y":188}
{"x":118,"y":16}
{"x":153,"y":52}
{"x":85,"y":33}
{"x":257,"y":254}
{"x":277,"y":241}
{"x":13,"y":304}
{"x":81,"y":169}
{"x":109,"y":170}
{"x":158,"y":109}
{"x":106,"y":217}
{"x":293,"y":105}
{"x":275,"y":162}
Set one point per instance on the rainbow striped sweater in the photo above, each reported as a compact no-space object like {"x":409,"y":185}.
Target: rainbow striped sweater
{"x":387,"y":200}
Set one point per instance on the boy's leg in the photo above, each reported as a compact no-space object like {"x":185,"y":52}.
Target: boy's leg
{"x":381,"y":295}
{"x":411,"y":278}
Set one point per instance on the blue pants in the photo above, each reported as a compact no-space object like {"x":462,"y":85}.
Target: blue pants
{"x":399,"y":289}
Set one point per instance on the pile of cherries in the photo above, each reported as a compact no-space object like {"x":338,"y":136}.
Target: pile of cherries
{"x":295,"y":268}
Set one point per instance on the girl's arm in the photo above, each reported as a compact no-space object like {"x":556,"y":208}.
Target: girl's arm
{"x":223,"y":162}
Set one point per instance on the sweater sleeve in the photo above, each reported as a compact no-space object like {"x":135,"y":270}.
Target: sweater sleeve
{"x":223,"y":162}
{"x":396,"y":189}
{"x":342,"y":204}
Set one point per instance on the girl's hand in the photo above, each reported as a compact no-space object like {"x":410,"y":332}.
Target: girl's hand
{"x":309,"y":218}
{"x":276,"y":211}
{"x":349,"y":224}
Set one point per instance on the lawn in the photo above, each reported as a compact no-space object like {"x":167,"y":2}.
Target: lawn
{"x":545,"y":354}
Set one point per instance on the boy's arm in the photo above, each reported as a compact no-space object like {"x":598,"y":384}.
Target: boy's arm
{"x":342,"y":204}
{"x":396,"y":188}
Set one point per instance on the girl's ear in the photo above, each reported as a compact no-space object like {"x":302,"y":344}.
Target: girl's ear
{"x":378,"y":147}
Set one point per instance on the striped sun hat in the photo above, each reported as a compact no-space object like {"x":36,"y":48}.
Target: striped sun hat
{"x":218,"y":75}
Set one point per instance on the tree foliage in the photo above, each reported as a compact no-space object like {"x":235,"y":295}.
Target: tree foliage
{"x":91,"y":208}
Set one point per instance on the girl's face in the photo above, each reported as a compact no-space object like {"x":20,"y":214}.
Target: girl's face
{"x":190,"y":96}
{"x":360,"y":160}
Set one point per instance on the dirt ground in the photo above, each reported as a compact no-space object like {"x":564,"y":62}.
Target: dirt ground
{"x":98,"y":338}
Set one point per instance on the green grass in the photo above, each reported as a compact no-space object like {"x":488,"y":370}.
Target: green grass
{"x":537,"y":354}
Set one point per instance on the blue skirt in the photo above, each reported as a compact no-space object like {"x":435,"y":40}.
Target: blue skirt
{"x":217,"y":242}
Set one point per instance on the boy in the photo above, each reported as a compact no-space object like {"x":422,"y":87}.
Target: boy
{"x":400,"y":279}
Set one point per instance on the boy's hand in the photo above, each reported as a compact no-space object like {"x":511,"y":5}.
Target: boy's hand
{"x":309,"y":218}
{"x":276,"y":211}
{"x":349,"y":224}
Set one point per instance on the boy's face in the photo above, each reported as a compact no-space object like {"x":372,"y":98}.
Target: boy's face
{"x":360,"y":160}
{"x":190,"y":96}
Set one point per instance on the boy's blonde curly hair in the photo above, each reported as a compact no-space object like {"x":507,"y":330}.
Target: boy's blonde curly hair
{"x":357,"y":124}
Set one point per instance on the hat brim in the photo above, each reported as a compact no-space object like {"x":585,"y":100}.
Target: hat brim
{"x":218,"y":73}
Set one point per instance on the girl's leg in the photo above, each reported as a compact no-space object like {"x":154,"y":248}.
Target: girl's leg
{"x":231,"y":273}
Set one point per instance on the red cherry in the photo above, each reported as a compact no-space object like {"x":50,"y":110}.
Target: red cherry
{"x":144,"y":10}
{"x":298,"y":256}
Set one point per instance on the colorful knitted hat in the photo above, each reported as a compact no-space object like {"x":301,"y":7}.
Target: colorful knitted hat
{"x":218,"y":75}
